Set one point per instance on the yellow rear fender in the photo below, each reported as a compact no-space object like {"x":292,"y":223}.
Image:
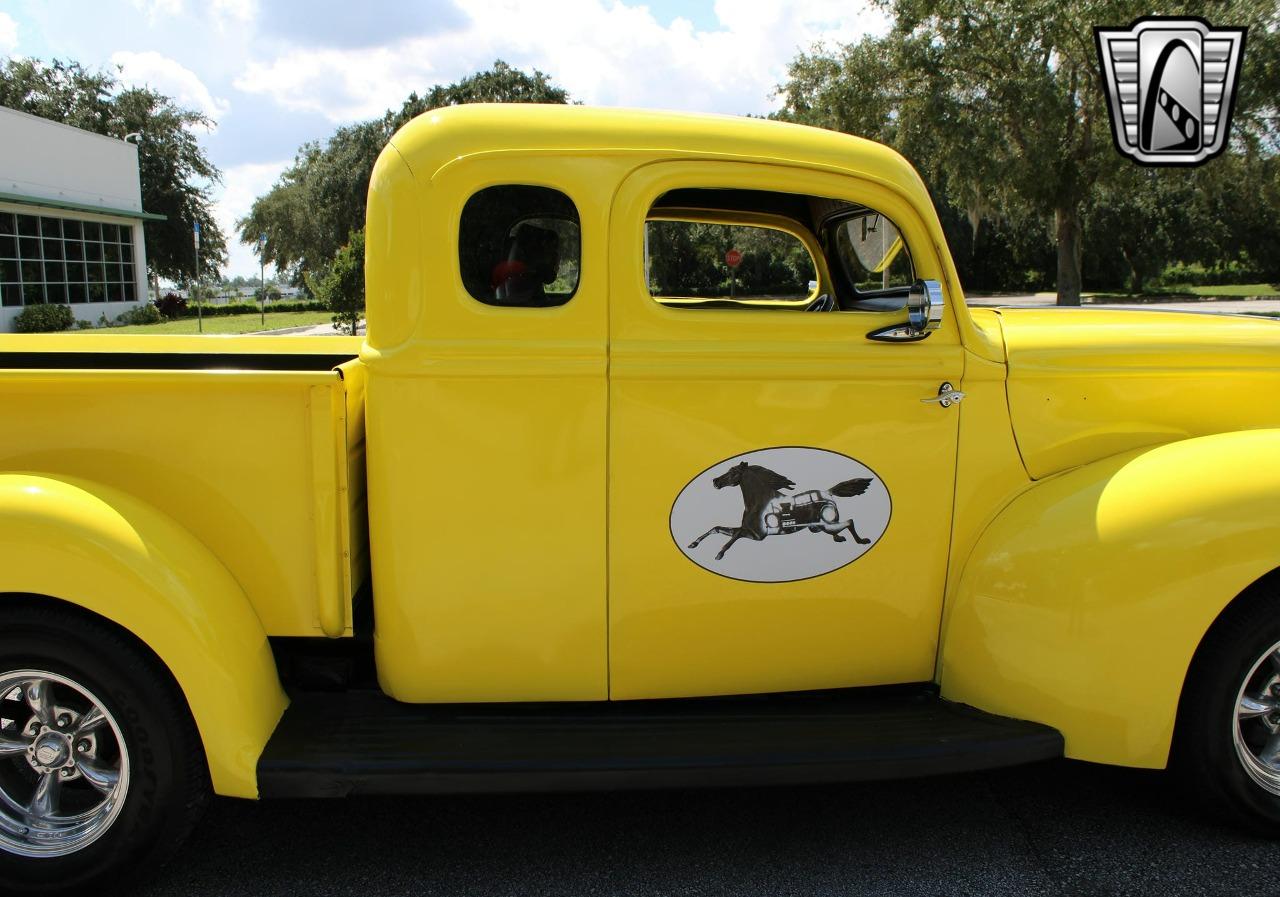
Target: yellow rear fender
{"x":1083,"y":602}
{"x":122,"y":559}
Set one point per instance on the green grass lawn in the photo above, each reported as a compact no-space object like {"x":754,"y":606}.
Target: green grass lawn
{"x":1239,"y":289}
{"x":225,"y":324}
{"x":1189,"y":293}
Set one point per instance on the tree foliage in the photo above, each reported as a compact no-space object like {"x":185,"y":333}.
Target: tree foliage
{"x":687,"y":258}
{"x":1002,"y":107}
{"x":175,"y":173}
{"x":320,"y":199}
{"x":341,"y":286}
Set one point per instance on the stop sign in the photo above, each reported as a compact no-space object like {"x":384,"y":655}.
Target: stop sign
{"x":733,"y":258}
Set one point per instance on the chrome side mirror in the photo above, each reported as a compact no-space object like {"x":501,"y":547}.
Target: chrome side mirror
{"x":925,"y":306}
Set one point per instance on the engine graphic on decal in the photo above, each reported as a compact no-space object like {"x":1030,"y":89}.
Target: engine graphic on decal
{"x":838,"y":511}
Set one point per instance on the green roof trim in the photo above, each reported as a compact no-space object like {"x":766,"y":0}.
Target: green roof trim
{"x":78,"y":207}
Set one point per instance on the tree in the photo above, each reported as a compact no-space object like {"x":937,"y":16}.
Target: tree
{"x":1235,"y":214}
{"x":341,"y":286}
{"x":500,"y":84}
{"x":1142,"y":215}
{"x":271,"y":291}
{"x":319,"y":200}
{"x":175,"y":173}
{"x":1002,"y":104}
{"x":310,"y":212}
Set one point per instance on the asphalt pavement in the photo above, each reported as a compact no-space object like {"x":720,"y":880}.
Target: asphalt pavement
{"x":1058,"y":828}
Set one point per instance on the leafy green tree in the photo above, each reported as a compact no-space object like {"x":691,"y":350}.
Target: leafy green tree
{"x":60,"y":91}
{"x":176,"y":175}
{"x":500,"y":84}
{"x":320,"y":199}
{"x":1001,"y":103}
{"x":1235,"y":214}
{"x":1141,"y":216}
{"x":687,"y":258}
{"x":272,"y":293}
{"x":341,"y":286}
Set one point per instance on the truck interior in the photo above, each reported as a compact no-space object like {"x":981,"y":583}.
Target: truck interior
{"x":868,"y":263}
{"x":519,"y":246}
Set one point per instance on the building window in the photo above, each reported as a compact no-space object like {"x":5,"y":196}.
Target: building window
{"x":45,"y":259}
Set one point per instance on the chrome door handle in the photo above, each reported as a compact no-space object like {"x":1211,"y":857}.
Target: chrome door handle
{"x":947,"y":396}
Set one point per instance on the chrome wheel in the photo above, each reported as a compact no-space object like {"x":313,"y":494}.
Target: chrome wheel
{"x":1257,"y":721}
{"x":64,"y":767}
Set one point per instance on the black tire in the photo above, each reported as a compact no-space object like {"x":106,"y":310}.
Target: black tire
{"x":1205,"y":755}
{"x":168,"y":784}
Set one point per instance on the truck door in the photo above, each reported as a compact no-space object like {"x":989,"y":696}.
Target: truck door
{"x":488,"y":435}
{"x":780,"y":496}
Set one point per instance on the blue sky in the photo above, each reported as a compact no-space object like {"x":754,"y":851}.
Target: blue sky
{"x":275,"y":73}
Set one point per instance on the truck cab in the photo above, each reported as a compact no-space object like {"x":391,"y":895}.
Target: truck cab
{"x":645,"y":359}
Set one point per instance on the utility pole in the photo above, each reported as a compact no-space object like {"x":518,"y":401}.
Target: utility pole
{"x":199,"y":310}
{"x":262,"y":276}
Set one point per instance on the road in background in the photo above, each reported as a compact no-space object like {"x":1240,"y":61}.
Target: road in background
{"x":1061,"y":828}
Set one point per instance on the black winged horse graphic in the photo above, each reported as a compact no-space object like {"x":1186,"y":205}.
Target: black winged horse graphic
{"x":769,"y":513}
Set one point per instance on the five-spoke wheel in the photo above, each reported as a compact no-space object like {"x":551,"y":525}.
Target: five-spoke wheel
{"x":1257,"y":729}
{"x":69,"y":768}
{"x":102,"y":773}
{"x":1227,"y":744}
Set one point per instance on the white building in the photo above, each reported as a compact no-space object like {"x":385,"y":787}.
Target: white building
{"x":70,"y":220}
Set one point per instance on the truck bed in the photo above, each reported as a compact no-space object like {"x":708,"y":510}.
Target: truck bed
{"x":255,"y":444}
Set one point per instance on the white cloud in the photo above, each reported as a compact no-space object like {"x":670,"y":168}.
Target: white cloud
{"x":8,"y":33}
{"x":241,"y":185}
{"x":602,"y":51}
{"x":605,"y":52}
{"x":171,"y":78}
{"x":234,"y":12}
{"x":158,"y":9}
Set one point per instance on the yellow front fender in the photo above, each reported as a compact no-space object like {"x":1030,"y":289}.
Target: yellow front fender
{"x":1083,"y":602}
{"x":122,"y":559}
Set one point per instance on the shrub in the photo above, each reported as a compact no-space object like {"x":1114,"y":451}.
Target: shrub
{"x":141,"y":314}
{"x":82,"y":324}
{"x":172,"y":305}
{"x":1180,"y":275}
{"x":43,"y":319}
{"x":246,"y":308}
{"x":298,"y":305}
{"x":342,"y":287}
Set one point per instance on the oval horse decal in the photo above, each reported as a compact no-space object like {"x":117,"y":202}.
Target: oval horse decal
{"x":780,"y":514}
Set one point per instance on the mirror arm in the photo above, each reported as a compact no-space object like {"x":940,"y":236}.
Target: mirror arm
{"x":925,"y":305}
{"x":898,"y":333}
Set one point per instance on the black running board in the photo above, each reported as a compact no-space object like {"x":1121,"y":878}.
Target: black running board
{"x":331,"y":745}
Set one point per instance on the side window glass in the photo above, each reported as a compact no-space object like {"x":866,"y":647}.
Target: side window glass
{"x":520,"y":246}
{"x":872,"y":253}
{"x":703,"y":264}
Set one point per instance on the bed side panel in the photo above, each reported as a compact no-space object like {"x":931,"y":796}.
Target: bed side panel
{"x":228,"y":454}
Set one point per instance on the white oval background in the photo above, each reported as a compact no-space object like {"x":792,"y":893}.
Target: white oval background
{"x":785,"y":557}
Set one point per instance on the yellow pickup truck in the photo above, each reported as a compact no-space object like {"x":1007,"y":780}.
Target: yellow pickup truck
{"x":673,"y":456}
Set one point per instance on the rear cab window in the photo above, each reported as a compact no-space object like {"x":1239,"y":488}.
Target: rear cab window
{"x":520,"y":246}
